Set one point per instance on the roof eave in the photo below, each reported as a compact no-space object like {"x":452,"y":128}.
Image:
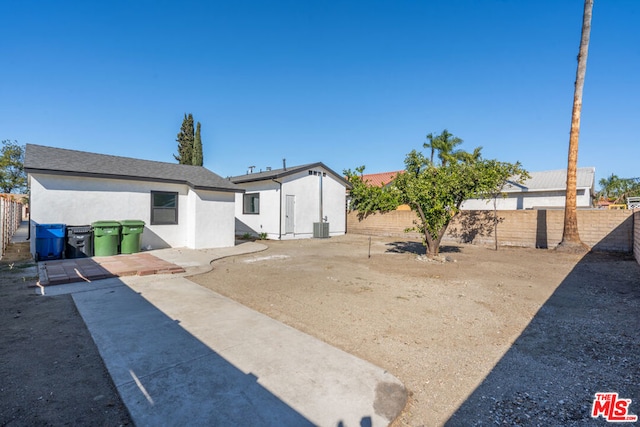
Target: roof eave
{"x":281,"y":174}
{"x":129,"y":178}
{"x":222,"y":189}
{"x":531,"y":190}
{"x":237,"y":180}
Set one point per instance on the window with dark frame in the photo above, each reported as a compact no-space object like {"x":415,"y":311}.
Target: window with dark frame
{"x":251,"y":203}
{"x":164,"y":208}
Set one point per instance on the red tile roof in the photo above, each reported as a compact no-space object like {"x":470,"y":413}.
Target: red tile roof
{"x":379,"y":179}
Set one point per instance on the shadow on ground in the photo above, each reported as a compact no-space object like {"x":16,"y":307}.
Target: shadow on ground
{"x":167,"y":376}
{"x":417,"y":248}
{"x":585,"y":339}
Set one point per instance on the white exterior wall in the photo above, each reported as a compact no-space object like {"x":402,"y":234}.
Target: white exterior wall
{"x":267,"y":220}
{"x":306,"y":190}
{"x":528,"y":200}
{"x":211,"y":222}
{"x":81,"y":201}
{"x":335,"y":205}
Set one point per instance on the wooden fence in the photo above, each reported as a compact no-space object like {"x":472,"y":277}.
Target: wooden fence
{"x":10,"y":218}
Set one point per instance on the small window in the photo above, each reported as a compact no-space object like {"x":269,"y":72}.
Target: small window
{"x":164,"y":208}
{"x":251,"y":203}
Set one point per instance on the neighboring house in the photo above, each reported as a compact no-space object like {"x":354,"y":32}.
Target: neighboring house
{"x":286,"y":203}
{"x":381,"y":179}
{"x":384,"y":179}
{"x":182,"y":205}
{"x":543,"y":190}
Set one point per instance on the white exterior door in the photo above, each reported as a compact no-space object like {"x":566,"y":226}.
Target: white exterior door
{"x":289,"y":213}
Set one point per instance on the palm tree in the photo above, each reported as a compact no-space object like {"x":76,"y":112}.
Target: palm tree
{"x":444,"y":144}
{"x":609,"y":187}
{"x":570,"y":236}
{"x":471,"y":157}
{"x":431,"y":145}
{"x":616,"y":189}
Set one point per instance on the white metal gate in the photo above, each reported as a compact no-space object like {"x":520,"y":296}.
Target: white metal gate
{"x":633,"y":202}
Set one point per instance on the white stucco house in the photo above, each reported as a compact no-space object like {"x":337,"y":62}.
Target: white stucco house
{"x":181,"y":205}
{"x":293,"y":202}
{"x":544,"y":190}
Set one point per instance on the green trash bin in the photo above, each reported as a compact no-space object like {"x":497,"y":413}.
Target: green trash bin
{"x":131,"y":235}
{"x":106,"y":237}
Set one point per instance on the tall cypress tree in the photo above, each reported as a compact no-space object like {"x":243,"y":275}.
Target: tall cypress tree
{"x":185,"y":141}
{"x":197,"y":148}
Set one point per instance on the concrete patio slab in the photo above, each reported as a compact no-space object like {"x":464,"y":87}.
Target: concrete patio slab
{"x":181,"y":354}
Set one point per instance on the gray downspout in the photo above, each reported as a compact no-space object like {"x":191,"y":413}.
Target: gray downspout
{"x":280,"y":217}
{"x":29,"y":219}
{"x":321,"y":208}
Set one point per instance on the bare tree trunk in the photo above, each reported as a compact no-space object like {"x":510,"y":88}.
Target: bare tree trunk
{"x":432,"y":247}
{"x":570,"y":236}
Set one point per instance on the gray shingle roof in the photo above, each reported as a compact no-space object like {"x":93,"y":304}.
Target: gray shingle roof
{"x":554,"y":180}
{"x":60,"y":161}
{"x":279,"y":173}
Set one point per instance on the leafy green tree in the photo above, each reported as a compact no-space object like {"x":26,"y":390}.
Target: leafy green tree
{"x":185,"y":141}
{"x":501,"y":174}
{"x":616,"y":189}
{"x":12,"y":175}
{"x":435,"y":191}
{"x":367,"y":198}
{"x":197,"y":148}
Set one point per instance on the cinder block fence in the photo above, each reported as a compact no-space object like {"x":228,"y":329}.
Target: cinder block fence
{"x":636,"y":234}
{"x":602,"y":230}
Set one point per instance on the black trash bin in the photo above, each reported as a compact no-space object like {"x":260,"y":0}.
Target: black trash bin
{"x":79,"y":241}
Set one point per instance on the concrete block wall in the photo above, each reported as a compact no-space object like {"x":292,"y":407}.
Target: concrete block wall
{"x":610,"y":230}
{"x":602,"y":230}
{"x":636,"y":234}
{"x":383,"y":224}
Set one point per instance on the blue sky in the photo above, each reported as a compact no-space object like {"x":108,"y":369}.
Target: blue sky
{"x":347,"y":83}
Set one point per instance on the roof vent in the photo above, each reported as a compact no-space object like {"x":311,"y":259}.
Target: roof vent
{"x":268,"y":168}
{"x":251,"y":168}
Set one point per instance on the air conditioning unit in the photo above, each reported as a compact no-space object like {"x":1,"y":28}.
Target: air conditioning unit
{"x":321,"y":230}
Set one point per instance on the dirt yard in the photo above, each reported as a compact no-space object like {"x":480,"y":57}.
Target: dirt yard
{"x":509,"y":337}
{"x":513,"y":337}
{"x":51,"y":373}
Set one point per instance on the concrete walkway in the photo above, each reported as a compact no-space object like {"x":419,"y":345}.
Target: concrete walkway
{"x":181,"y":354}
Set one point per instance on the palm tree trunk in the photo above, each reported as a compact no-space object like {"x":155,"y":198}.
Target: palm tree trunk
{"x":570,"y":235}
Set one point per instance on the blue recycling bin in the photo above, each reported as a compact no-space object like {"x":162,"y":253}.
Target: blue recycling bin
{"x":49,"y":241}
